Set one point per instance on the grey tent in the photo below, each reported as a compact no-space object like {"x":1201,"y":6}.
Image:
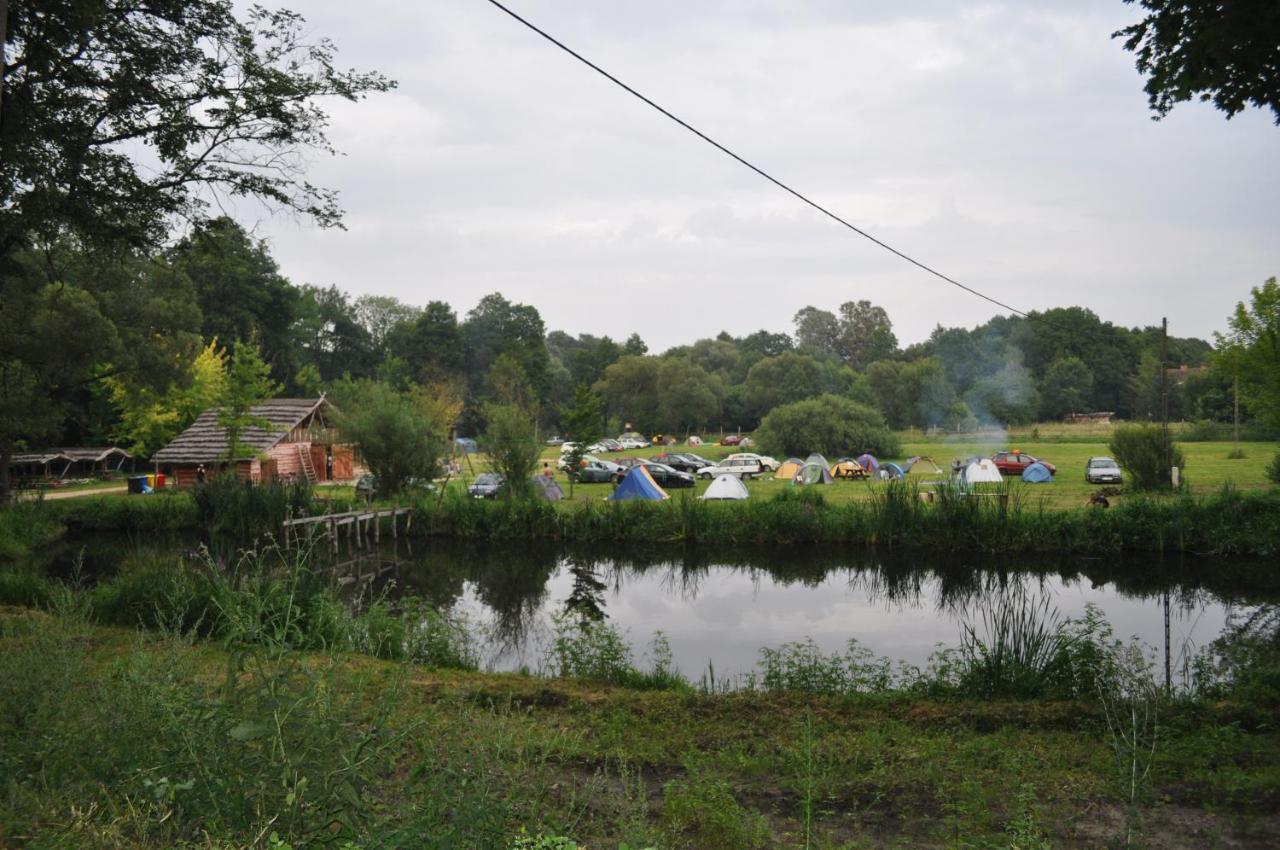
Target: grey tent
{"x":812,"y":473}
{"x":726,"y":487}
{"x":547,"y":488}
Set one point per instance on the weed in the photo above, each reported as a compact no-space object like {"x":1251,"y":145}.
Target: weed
{"x":700,"y":811}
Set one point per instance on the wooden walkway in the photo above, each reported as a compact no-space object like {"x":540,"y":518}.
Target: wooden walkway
{"x":363,"y":528}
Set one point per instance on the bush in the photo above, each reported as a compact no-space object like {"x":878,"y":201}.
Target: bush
{"x":511,"y":441}
{"x":1146,"y":454}
{"x":829,"y":424}
{"x":243,"y":510}
{"x":1273,"y":469}
{"x":397,"y":438}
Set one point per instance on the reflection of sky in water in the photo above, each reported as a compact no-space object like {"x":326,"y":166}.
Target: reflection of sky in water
{"x":730,"y":613}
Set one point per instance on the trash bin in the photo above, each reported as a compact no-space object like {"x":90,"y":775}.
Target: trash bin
{"x":136,"y":483}
{"x":151,"y":481}
{"x":159,"y":480}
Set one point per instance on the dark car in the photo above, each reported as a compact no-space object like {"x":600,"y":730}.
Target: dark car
{"x":1015,"y":463}
{"x":666,"y":476}
{"x":731,"y":439}
{"x":680,"y":461}
{"x":486,"y":485}
{"x":1103,"y":470}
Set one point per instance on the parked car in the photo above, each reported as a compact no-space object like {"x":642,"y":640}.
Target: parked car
{"x":555,"y":440}
{"x":667,"y":476}
{"x":633,"y":441}
{"x":770,"y":464}
{"x":731,"y":439}
{"x":699,"y":459}
{"x":563,"y":463}
{"x":681,"y":461}
{"x":595,"y":471}
{"x":1102,"y":470}
{"x":1016,"y":462}
{"x":486,"y":485}
{"x":744,"y":467}
{"x":628,"y":462}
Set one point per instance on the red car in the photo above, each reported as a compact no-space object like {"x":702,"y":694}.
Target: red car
{"x":1016,"y":462}
{"x":730,"y":439}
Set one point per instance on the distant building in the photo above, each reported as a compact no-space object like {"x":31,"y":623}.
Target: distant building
{"x":300,"y":445}
{"x":1101,"y":418}
{"x":68,"y":462}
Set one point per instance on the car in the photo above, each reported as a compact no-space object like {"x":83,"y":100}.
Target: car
{"x":594,"y":471}
{"x":1016,"y":462}
{"x":628,"y":462}
{"x":680,"y":461}
{"x":633,"y":441}
{"x":770,"y":464}
{"x":667,"y":476}
{"x":699,"y":459}
{"x":555,"y":440}
{"x":563,"y":463}
{"x":731,"y":439}
{"x":744,"y":467}
{"x":1102,"y":470}
{"x":486,"y":485}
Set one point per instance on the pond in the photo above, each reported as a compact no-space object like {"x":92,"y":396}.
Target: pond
{"x":722,"y":606}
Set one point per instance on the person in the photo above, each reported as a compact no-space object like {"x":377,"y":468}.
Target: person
{"x":200,"y":474}
{"x":546,"y":469}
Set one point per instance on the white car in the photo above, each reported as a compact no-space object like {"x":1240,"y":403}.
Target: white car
{"x":770,"y":464}
{"x":743,"y":467}
{"x":563,"y":463}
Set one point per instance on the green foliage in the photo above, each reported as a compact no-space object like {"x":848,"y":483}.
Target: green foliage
{"x":1065,"y":388}
{"x":1251,"y":350}
{"x":700,"y":811}
{"x":511,"y":441}
{"x":583,"y":425}
{"x":1273,"y":469}
{"x":1146,"y":454}
{"x":242,"y":510}
{"x":1199,"y":50}
{"x":149,"y":420}
{"x":248,"y":382}
{"x":593,"y":650}
{"x":830,"y":425}
{"x":399,"y":435}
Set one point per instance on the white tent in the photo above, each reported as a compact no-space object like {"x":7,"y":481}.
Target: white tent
{"x":726,"y":487}
{"x":982,"y":472}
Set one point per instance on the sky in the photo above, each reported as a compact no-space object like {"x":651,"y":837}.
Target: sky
{"x":1008,"y":145}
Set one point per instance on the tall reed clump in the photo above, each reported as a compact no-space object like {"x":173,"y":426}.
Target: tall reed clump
{"x":24,"y":526}
{"x":243,"y":510}
{"x":166,"y":511}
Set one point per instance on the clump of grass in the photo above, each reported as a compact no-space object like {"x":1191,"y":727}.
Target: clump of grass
{"x":701,"y":811}
{"x":595,"y":651}
{"x":243,"y":510}
{"x":25,"y":526}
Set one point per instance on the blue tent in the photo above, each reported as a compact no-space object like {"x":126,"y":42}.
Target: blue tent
{"x":1037,"y":473}
{"x":890,"y":471}
{"x":639,"y":484}
{"x":869,"y":463}
{"x":466,"y":445}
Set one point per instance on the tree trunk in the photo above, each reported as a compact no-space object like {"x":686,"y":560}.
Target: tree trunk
{"x":4,"y":21}
{"x":6,"y":454}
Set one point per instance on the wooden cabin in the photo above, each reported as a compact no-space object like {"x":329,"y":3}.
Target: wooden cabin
{"x":60,"y":463}
{"x":299,"y":445}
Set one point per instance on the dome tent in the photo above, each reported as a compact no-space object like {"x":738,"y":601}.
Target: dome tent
{"x":890,"y":471}
{"x":1037,"y":473}
{"x":869,"y":463}
{"x":638,"y":484}
{"x":847,"y":467}
{"x":546,"y":487}
{"x":812,"y":473}
{"x":982,"y":471}
{"x":726,"y":487}
{"x":788,"y":469}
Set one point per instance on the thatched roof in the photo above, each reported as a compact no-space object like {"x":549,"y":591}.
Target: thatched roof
{"x":206,"y":441}
{"x":96,"y":455}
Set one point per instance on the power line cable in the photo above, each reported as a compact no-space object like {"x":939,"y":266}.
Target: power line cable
{"x":760,"y":171}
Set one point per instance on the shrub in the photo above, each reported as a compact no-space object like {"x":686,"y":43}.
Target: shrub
{"x":395,"y":432}
{"x":828,"y":424}
{"x":243,"y":510}
{"x":1146,"y":453}
{"x":511,"y":441}
{"x":1273,"y":469}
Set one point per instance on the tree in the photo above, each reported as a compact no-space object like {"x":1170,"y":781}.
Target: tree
{"x":866,"y":334}
{"x":507,"y":383}
{"x":828,"y":424}
{"x":329,"y":335}
{"x":1065,"y":388}
{"x":782,"y":379}
{"x":630,"y":390}
{"x":1210,"y":51}
{"x":1007,"y":397}
{"x":396,"y":434}
{"x":378,"y":314}
{"x":248,"y":382}
{"x":1146,"y":452}
{"x":497,"y":326}
{"x":688,"y":397}
{"x":240,"y":291}
{"x":510,"y":439}
{"x":149,"y":420}
{"x":583,"y":425}
{"x":431,"y":343}
{"x":1251,"y":350}
{"x":817,"y":332}
{"x":635,"y":346}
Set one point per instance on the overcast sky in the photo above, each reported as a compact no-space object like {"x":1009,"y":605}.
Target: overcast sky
{"x":1008,"y":145}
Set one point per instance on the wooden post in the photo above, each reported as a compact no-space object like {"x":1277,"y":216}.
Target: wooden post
{"x":333,"y":535}
{"x":377,"y":527}
{"x":395,"y":510}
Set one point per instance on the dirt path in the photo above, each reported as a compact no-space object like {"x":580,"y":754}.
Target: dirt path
{"x":72,"y":494}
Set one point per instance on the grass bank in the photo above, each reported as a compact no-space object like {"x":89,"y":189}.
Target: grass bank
{"x":1227,"y":523}
{"x":114,"y":739}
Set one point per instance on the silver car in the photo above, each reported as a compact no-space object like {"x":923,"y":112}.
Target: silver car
{"x":1102,"y":470}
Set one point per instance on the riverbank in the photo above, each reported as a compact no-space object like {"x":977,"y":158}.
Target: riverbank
{"x":151,"y":740}
{"x":1226,"y":523}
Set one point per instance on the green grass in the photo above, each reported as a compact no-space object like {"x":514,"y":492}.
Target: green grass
{"x":113,"y":739}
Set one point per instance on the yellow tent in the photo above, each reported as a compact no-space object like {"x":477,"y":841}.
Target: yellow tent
{"x":847,"y":468}
{"x":789,"y":468}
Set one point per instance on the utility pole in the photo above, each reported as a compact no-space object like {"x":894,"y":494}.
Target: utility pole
{"x":1168,"y":668}
{"x":1235,"y":391}
{"x":1164,"y":395}
{"x":4,"y":21}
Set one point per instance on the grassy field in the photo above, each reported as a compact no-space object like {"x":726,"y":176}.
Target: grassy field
{"x":1208,"y":467}
{"x":115,"y":739}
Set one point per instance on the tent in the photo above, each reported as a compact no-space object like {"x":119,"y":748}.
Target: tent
{"x":466,"y":445}
{"x":812,"y":473}
{"x":847,"y":467}
{"x":788,"y":469}
{"x":869,"y":463}
{"x":912,"y":461}
{"x":890,"y":471}
{"x":726,"y":487}
{"x":695,"y":440}
{"x":817,"y":458}
{"x":1037,"y":473}
{"x":982,"y":471}
{"x":639,"y":484}
{"x":547,"y":488}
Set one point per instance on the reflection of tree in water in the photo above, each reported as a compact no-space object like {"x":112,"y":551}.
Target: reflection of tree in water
{"x":586,"y":599}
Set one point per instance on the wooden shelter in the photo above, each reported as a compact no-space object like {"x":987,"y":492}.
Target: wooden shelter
{"x":300,"y":444}
{"x":63,"y":462}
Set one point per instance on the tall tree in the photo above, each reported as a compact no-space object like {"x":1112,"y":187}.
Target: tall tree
{"x":817,"y":332}
{"x":149,"y":419}
{"x":1208,"y":50}
{"x":497,"y":326}
{"x":583,"y":425}
{"x":866,"y":334}
{"x":431,"y":343}
{"x":329,"y":335}
{"x":1251,"y":350}
{"x":1065,"y":388}
{"x":378,"y":314}
{"x":689,"y":397}
{"x":248,"y":382}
